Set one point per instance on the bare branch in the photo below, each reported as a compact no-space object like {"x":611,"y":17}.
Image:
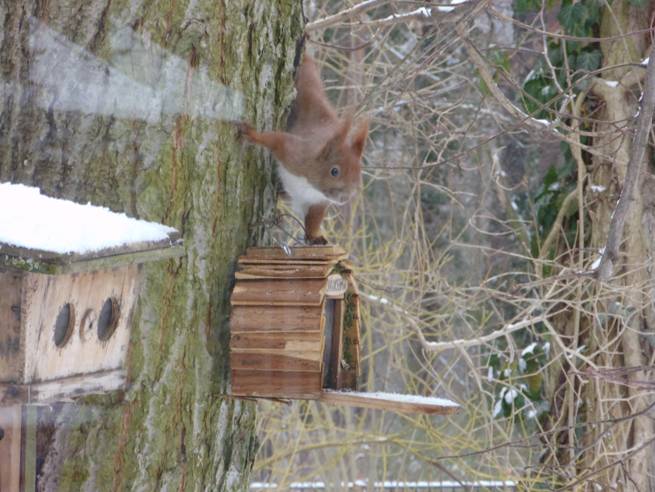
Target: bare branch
{"x":346,"y":14}
{"x":473,"y":342}
{"x":450,"y":13}
{"x":637,"y":153}
{"x":484,"y":71}
{"x":555,"y":229}
{"x":422,"y":14}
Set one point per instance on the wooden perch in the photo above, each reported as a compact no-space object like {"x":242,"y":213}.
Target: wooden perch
{"x":392,"y":402}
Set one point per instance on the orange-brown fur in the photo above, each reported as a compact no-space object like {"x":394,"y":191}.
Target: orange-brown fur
{"x":317,"y":143}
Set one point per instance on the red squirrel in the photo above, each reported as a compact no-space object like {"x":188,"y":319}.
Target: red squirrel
{"x":319,"y":157}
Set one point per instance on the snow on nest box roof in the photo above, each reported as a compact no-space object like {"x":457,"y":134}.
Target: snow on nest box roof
{"x":50,"y":235}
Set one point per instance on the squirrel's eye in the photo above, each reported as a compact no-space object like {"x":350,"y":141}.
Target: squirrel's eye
{"x":334,"y":171}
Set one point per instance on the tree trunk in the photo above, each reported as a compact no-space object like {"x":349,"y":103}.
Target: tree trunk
{"x":608,"y":439}
{"x":631,"y":284}
{"x":125,"y":104}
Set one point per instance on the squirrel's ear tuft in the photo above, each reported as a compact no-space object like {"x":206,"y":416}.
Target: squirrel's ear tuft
{"x":359,"y":138}
{"x":345,"y":128}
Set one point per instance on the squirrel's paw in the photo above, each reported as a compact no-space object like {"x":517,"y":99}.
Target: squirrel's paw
{"x":316,"y":241}
{"x":244,"y":129}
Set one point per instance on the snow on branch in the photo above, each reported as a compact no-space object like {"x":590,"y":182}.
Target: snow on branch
{"x":472,"y":342}
{"x":419,"y":14}
{"x":346,"y":14}
{"x":460,"y":343}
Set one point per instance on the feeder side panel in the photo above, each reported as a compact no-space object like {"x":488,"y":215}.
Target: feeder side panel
{"x":276,"y":384}
{"x":276,"y":360}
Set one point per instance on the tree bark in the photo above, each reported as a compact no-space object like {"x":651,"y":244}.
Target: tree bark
{"x":124,"y":104}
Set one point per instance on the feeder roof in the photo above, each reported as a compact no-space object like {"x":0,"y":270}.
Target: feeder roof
{"x":50,"y":235}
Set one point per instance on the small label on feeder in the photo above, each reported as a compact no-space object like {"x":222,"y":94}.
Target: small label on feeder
{"x":336,"y":286}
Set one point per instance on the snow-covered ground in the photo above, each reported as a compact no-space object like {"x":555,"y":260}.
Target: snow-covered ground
{"x":29,"y":219}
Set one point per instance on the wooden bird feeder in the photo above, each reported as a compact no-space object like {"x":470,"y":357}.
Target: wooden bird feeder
{"x":295,"y":329}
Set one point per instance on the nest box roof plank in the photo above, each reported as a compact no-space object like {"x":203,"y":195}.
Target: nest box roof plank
{"x":49,"y":235}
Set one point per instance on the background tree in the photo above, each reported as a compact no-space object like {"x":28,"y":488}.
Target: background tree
{"x":124,"y":104}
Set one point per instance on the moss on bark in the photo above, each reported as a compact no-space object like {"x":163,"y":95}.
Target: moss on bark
{"x":172,"y":430}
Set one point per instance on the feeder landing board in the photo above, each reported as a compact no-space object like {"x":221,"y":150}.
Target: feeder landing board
{"x":295,"y":331}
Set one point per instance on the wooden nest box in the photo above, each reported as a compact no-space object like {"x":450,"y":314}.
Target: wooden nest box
{"x":69,"y":281}
{"x":65,"y":333}
{"x":65,"y":317}
{"x":295,"y":331}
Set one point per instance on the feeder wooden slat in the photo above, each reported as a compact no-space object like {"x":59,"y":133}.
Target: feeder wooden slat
{"x":272,"y":292}
{"x":276,"y":384}
{"x":308,"y":252}
{"x":285,"y":271}
{"x":301,"y":263}
{"x":268,"y":361}
{"x":279,"y":304}
{"x":271,"y":340}
{"x":264,"y":318}
{"x":312,"y":353}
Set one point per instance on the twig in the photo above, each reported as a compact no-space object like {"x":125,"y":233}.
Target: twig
{"x":568,"y":37}
{"x":554,"y":232}
{"x":581,"y":479}
{"x":539,"y":125}
{"x":448,"y":13}
{"x":365,"y":44}
{"x":343,"y":15}
{"x":472,"y":342}
{"x":422,"y":14}
{"x":633,"y":171}
{"x":487,"y":77}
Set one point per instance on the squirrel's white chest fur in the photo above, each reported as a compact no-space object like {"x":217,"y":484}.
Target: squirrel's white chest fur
{"x":301,"y":193}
